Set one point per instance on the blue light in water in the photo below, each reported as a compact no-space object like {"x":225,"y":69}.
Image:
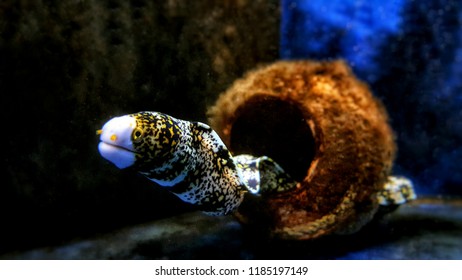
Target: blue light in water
{"x":353,"y":30}
{"x":410,"y":53}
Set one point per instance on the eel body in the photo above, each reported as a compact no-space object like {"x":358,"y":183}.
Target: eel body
{"x":187,"y":158}
{"x":192,"y":162}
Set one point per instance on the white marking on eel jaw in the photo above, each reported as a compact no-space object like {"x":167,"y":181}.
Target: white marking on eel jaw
{"x":188,"y":196}
{"x":170,"y":183}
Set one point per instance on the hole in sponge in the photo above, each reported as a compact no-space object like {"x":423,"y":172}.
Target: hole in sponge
{"x":276,"y":128}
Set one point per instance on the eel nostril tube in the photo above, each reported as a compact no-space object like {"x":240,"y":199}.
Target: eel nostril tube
{"x":325,"y":128}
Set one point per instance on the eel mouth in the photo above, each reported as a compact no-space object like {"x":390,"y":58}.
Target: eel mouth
{"x":100,"y":132}
{"x":117,"y":147}
{"x":118,"y":155}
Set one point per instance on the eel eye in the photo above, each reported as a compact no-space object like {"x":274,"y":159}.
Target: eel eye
{"x":137,"y":135}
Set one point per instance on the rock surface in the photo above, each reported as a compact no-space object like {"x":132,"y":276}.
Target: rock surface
{"x":424,"y":229}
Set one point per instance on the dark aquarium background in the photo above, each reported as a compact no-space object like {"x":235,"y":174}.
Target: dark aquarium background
{"x":66,"y":67}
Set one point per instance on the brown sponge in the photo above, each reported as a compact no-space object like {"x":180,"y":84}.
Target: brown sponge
{"x":324,"y":127}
